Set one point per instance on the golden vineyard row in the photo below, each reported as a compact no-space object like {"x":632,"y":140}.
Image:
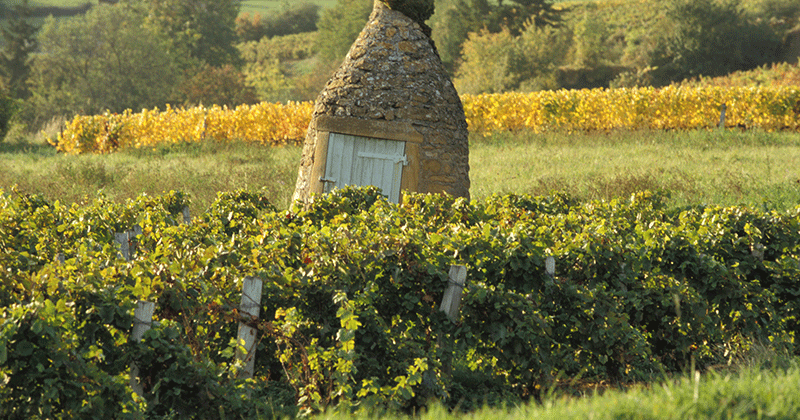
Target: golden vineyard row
{"x":673,"y":107}
{"x":266,"y":123}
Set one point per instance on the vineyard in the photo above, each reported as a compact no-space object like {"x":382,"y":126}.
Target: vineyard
{"x":350,"y":304}
{"x":673,"y":107}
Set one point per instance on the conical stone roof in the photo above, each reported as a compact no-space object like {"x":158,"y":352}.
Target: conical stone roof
{"x":393,"y":74}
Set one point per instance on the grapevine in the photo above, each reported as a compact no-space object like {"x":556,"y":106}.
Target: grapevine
{"x":669,"y":108}
{"x":352,"y":287}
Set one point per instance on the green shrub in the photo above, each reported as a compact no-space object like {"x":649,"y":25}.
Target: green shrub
{"x":710,"y":38}
{"x":350,"y":316}
{"x":298,"y":18}
{"x":8,"y":108}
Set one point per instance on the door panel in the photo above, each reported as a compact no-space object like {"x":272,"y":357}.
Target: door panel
{"x":354,"y":160}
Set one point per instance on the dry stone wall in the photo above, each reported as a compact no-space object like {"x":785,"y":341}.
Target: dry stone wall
{"x":393,"y":73}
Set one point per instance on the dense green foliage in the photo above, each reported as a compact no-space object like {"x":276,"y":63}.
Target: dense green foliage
{"x":130,"y":55}
{"x":486,"y":46}
{"x":203,"y":29}
{"x":8,"y":108}
{"x":779,"y":74}
{"x":293,"y":19}
{"x":624,"y":43}
{"x":350,"y":313}
{"x":455,"y":20}
{"x":418,"y":10}
{"x":710,"y":38}
{"x":19,"y":36}
{"x":339,"y":26}
{"x":104,"y":60}
{"x":223,"y":86}
{"x":268,"y":66}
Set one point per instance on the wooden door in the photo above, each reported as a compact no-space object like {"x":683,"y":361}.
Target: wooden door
{"x":361,"y":161}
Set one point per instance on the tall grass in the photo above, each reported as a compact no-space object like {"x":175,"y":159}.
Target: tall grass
{"x":762,"y":387}
{"x":695,"y":168}
{"x":201,"y":170}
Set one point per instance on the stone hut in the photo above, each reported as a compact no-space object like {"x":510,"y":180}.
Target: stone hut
{"x":389,"y":117}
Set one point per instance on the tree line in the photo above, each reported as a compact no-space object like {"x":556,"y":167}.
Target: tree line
{"x":148,"y":53}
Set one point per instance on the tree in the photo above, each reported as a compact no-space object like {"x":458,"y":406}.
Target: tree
{"x":339,"y":27}
{"x":590,"y":36}
{"x":104,"y":60}
{"x":454,"y":20}
{"x":295,"y":19}
{"x":488,"y":63}
{"x":515,"y":15}
{"x":20,"y":42}
{"x":217,"y":86}
{"x":205,"y":30}
{"x":711,"y":38}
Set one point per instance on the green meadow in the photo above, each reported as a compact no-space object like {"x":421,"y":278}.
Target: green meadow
{"x":705,"y":167}
{"x":264,"y":6}
{"x":694,"y":168}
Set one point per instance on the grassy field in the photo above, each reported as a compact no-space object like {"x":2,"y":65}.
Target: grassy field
{"x":754,"y":392}
{"x":699,"y":167}
{"x":713,"y":167}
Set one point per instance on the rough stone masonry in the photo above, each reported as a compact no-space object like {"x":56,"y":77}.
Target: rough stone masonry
{"x":393,"y":73}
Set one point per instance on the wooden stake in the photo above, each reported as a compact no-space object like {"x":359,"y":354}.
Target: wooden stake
{"x":249,"y":308}
{"x":123,"y":239}
{"x":142,"y":319}
{"x":187,"y":218}
{"x":550,"y":266}
{"x":452,"y":295}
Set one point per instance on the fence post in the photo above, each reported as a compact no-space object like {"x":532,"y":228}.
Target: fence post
{"x":142,"y":319}
{"x":452,"y":295}
{"x":450,"y":306}
{"x":123,"y":239}
{"x":550,"y":267}
{"x":143,"y":314}
{"x":187,"y":218}
{"x":249,"y":308}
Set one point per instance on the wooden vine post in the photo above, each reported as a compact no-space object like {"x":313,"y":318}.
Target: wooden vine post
{"x":550,"y":267}
{"x":143,"y":314}
{"x":452,"y":295}
{"x":142,"y":319}
{"x":249,"y":309}
{"x":450,"y":306}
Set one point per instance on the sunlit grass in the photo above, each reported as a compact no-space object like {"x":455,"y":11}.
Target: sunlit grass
{"x":199,"y":170}
{"x":750,"y":393}
{"x":694,"y":168}
{"x":698,"y":167}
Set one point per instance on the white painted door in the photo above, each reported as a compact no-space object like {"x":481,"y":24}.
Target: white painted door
{"x":362,"y":161}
